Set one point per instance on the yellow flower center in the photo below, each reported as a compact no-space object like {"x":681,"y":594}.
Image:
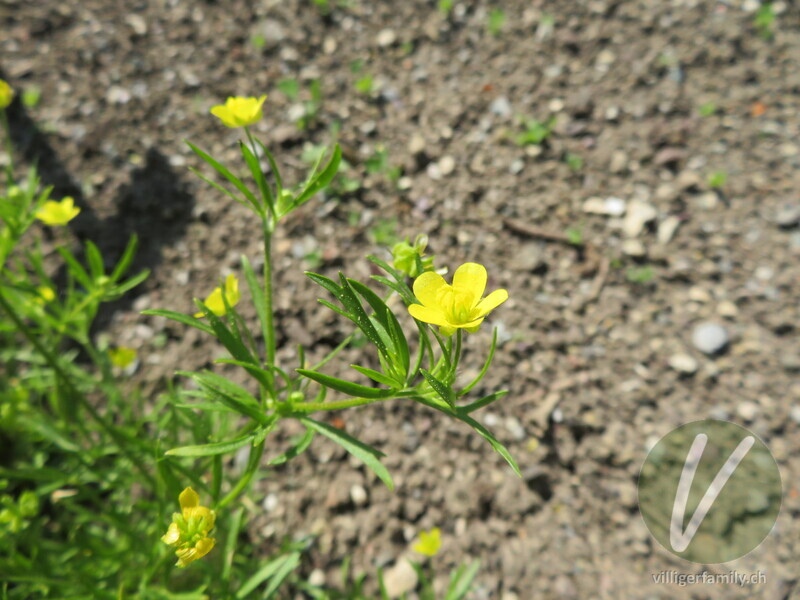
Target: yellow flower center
{"x":458,"y":304}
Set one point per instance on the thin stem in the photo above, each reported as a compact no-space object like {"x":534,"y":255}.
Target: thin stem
{"x":269,"y":342}
{"x":9,"y":147}
{"x":269,"y":201}
{"x":456,"y":356}
{"x":310,"y":407}
{"x":252,"y":466}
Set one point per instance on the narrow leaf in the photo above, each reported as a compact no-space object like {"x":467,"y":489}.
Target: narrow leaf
{"x":445,"y":392}
{"x":211,"y":449}
{"x":226,"y":174}
{"x":180,"y":318}
{"x":378,"y":376}
{"x":295,"y":450}
{"x":320,"y":182}
{"x":255,"y":169}
{"x":370,"y":456}
{"x":346,"y":387}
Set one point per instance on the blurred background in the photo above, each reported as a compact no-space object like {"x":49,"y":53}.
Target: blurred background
{"x":628,"y":170}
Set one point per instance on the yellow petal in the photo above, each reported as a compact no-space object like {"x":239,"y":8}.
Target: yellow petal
{"x":203,"y":547}
{"x":492,"y":301}
{"x":472,"y":277}
{"x":447,"y":330}
{"x":232,"y":290}
{"x":428,"y":287}
{"x":214,"y":302}
{"x":6,"y":94}
{"x":473,"y":326}
{"x":428,"y":314}
{"x":224,"y":115}
{"x":172,"y":536}
{"x":188,"y":498}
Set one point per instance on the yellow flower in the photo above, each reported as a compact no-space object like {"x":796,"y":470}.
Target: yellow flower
{"x":58,"y":213}
{"x":46,"y":294}
{"x":189,"y":529}
{"x":6,"y":94}
{"x":429,"y":542}
{"x":455,"y":306}
{"x":238,"y":111}
{"x":122,"y":356}
{"x":214,"y":301}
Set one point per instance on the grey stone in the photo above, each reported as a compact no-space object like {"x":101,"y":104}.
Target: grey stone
{"x":710,"y":338}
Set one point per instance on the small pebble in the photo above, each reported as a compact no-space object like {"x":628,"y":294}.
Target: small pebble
{"x":667,"y":229}
{"x":747,"y":410}
{"x":727,"y":309}
{"x":710,"y":338}
{"x":447,"y":165}
{"x":683,"y":363}
{"x":358,"y":495}
{"x":386,"y":37}
{"x":500,"y":106}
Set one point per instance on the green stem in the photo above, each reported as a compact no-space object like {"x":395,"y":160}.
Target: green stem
{"x":120,"y":440}
{"x":270,"y":202}
{"x":310,"y":407}
{"x":252,"y":466}
{"x":456,"y":356}
{"x":9,"y":148}
{"x":269,"y":341}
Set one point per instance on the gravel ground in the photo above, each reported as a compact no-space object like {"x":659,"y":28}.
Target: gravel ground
{"x":673,"y":160}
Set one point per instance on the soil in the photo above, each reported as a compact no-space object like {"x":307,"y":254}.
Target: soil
{"x":655,"y":98}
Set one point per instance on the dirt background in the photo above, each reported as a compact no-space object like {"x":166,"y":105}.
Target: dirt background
{"x":599,"y":357}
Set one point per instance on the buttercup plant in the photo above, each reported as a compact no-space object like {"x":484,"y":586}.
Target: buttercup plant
{"x":428,"y":376}
{"x":96,"y":468}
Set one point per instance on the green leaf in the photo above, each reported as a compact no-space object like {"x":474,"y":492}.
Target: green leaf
{"x":378,"y":376}
{"x":275,"y":571}
{"x":388,"y":320}
{"x":444,"y":391}
{"x":234,"y":525}
{"x":119,"y":290}
{"x":229,"y":394}
{"x":75,"y":268}
{"x":126,"y":259}
{"x":461,"y":581}
{"x":353,"y":305}
{"x":212,"y":449}
{"x":402,"y":291}
{"x":325,"y":282}
{"x":226,"y":174}
{"x":255,"y":169}
{"x":295,"y":450}
{"x":335,"y":308}
{"x":485,"y":401}
{"x":486,"y":365}
{"x":346,"y":387}
{"x":180,"y":318}
{"x":95,"y":260}
{"x":260,"y":374}
{"x":407,"y":294}
{"x":370,"y":456}
{"x":272,"y":165}
{"x":317,"y":183}
{"x":462,"y":415}
{"x":487,"y":435}
{"x":222,"y":189}
{"x":233,"y":343}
